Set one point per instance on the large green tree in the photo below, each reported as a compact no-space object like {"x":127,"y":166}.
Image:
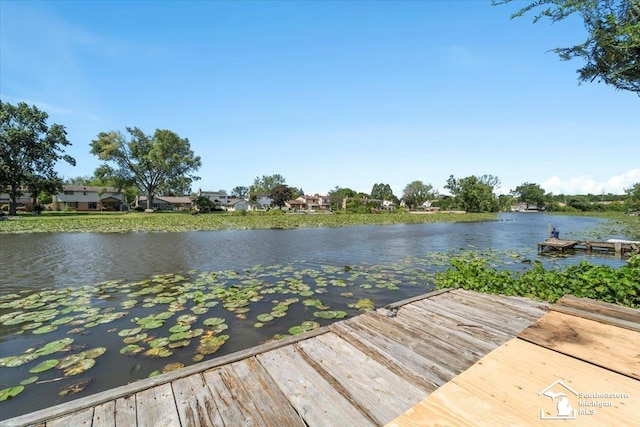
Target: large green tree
{"x":383,"y":192}
{"x":264,"y":185}
{"x":155,"y":164}
{"x":337,"y":196}
{"x":475,"y":193}
{"x":240,"y":192}
{"x":633,"y":203}
{"x":29,"y":151}
{"x":611,"y":51}
{"x":531,"y":194}
{"x":416,"y":193}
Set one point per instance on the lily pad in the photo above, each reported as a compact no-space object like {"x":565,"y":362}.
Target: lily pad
{"x":213,"y":321}
{"x":209,"y":345}
{"x":11,"y":392}
{"x":136,"y":338}
{"x":178,"y":344}
{"x":159,"y":342}
{"x":79,"y":367}
{"x":172,"y":367}
{"x":187,"y":318}
{"x":264,"y":317}
{"x":199,"y":310}
{"x":15,"y":361}
{"x":131,"y":349}
{"x":75,"y":387}
{"x":54,"y":346}
{"x":44,"y":329}
{"x":364,"y":304}
{"x":63,"y":320}
{"x":70,"y":360}
{"x":179,"y":328}
{"x":44,"y":366}
{"x":158,"y":352}
{"x":128,"y":332}
{"x":29,"y":380}
{"x":94,"y":352}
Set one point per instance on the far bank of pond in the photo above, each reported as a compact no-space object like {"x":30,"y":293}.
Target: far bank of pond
{"x":84,"y":312}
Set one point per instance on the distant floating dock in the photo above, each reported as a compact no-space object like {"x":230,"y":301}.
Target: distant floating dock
{"x":619,"y":247}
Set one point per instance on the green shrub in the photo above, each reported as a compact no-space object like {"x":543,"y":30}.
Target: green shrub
{"x":585,"y":280}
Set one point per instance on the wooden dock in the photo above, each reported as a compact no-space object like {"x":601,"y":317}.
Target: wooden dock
{"x":580,"y":362}
{"x":620,"y":248}
{"x":363,"y":371}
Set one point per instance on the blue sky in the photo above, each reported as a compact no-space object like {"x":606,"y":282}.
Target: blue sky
{"x":326,"y":93}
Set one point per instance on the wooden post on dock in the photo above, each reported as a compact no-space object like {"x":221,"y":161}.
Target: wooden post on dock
{"x":618,"y":248}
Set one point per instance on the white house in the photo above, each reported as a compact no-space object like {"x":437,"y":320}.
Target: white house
{"x":264,"y":201}
{"x":218,"y":197}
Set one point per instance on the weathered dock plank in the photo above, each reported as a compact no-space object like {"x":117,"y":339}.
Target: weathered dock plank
{"x":82,"y":418}
{"x":516,"y":307}
{"x":196,"y":404}
{"x":376,"y":389}
{"x":274,"y":408}
{"x":624,"y":317}
{"x":156,"y":407}
{"x":490,"y":316}
{"x":406,"y":363}
{"x":315,"y":399}
{"x":105,"y":415}
{"x":423,"y":339}
{"x":236,"y":405}
{"x":126,"y":411}
{"x":477,"y":334}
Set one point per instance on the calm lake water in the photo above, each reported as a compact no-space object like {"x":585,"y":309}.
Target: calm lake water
{"x":334,"y":267}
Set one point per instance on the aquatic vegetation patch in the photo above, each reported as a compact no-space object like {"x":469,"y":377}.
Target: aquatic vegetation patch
{"x":161,"y":222}
{"x":193,"y":315}
{"x":585,"y":280}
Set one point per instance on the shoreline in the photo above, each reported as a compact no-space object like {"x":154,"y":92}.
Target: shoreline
{"x":181,"y":222}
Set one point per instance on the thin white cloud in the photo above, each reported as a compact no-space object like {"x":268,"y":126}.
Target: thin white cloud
{"x":51,"y":109}
{"x":585,"y":184}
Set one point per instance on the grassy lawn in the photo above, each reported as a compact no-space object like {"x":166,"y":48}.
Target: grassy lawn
{"x":111,"y":222}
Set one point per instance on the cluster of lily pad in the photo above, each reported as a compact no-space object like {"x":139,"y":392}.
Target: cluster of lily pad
{"x":71,"y":364}
{"x":173,"y":315}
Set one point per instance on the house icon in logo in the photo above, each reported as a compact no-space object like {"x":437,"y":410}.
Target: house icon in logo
{"x":558,"y":391}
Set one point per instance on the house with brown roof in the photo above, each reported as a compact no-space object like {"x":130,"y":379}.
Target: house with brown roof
{"x":23,"y":202}
{"x":166,"y":203}
{"x":88,"y":198}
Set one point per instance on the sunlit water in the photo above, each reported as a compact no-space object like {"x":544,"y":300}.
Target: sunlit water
{"x":402,"y":254}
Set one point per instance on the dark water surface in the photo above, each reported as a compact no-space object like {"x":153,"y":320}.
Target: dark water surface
{"x":400,"y":255}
